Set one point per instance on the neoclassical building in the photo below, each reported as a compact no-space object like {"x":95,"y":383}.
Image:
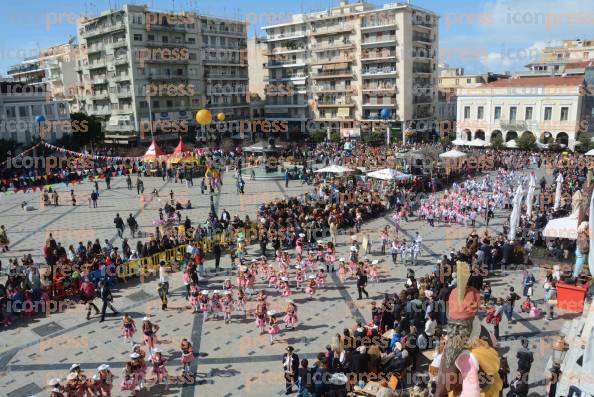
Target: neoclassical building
{"x":550,"y":108}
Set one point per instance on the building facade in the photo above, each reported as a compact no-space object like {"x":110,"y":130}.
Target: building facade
{"x":564,"y":59}
{"x":21,"y":104}
{"x":53,"y":70}
{"x":146,"y":72}
{"x":550,"y":108}
{"x":343,"y":66}
{"x":256,"y":53}
{"x":449,"y":81}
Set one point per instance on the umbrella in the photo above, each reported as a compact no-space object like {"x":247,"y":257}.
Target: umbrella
{"x":478,"y":142}
{"x":515,"y":215}
{"x":452,"y":154}
{"x":334,"y":169}
{"x":530,"y":195}
{"x":590,"y":153}
{"x":591,"y":230}
{"x":558,"y":192}
{"x":511,"y":144}
{"x":561,"y":228}
{"x":459,"y":142}
{"x":388,"y":174}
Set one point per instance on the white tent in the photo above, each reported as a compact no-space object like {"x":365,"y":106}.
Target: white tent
{"x":452,"y":154}
{"x":561,"y":228}
{"x":511,"y":144}
{"x":530,"y":195}
{"x":388,"y":174}
{"x":542,"y":145}
{"x":478,"y":143}
{"x":590,"y":153}
{"x":558,"y":192}
{"x":515,"y":215}
{"x":459,"y":142}
{"x":334,"y":169}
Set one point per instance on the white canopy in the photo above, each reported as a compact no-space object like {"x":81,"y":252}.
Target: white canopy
{"x":388,"y":174}
{"x":561,"y":228}
{"x":511,"y":144}
{"x":459,"y":142}
{"x":452,"y":154}
{"x":590,"y":153}
{"x":478,"y":143}
{"x":334,"y":169}
{"x":542,"y":145}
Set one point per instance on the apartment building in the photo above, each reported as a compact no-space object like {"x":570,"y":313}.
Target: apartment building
{"x":449,"y":81}
{"x":21,"y":104}
{"x":569,"y":58}
{"x":343,"y":66}
{"x":550,"y":108}
{"x":53,"y":69}
{"x":146,"y":71}
{"x":256,"y":53}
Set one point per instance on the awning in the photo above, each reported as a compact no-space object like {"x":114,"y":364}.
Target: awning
{"x":335,"y":66}
{"x":561,"y":228}
{"x":343,"y":112}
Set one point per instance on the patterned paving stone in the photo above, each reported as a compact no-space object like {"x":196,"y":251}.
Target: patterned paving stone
{"x":47,"y":329}
{"x":27,"y":390}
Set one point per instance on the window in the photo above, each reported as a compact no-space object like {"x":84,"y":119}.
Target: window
{"x":143,"y":104}
{"x":513,"y":113}
{"x":192,"y":55}
{"x":497,"y":112}
{"x":468,"y":81}
{"x":191,"y":40}
{"x":137,"y":37}
{"x":548,"y":113}
{"x":466,"y":112}
{"x":151,"y":37}
{"x":480,"y":113}
{"x":169,"y":103}
{"x":155,"y":104}
{"x":564,"y":113}
{"x":529,"y":113}
{"x":165,"y":39}
{"x":22,"y":111}
{"x":11,"y":112}
{"x":457,"y":81}
{"x":179,"y":72}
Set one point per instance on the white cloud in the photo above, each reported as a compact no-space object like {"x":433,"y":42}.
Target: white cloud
{"x":506,"y":35}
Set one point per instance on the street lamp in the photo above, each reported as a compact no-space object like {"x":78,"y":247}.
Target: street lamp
{"x":385,"y":115}
{"x":560,"y":348}
{"x":40,"y":118}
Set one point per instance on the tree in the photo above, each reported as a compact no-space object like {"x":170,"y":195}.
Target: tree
{"x":7,"y":149}
{"x":84,"y":130}
{"x":555,"y":147}
{"x":318,"y":136}
{"x":527,"y":141}
{"x":586,"y":143}
{"x":497,"y":142}
{"x":374,"y":139}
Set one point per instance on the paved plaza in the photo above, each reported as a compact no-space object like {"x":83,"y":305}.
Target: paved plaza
{"x":233,"y":359}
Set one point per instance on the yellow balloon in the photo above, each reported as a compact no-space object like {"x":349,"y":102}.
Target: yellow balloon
{"x":221,"y":116}
{"x":203,"y":117}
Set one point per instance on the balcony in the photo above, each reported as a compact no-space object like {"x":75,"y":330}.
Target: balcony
{"x":287,"y":36}
{"x":379,"y":87}
{"x":422,"y":99}
{"x":123,"y":93}
{"x":277,"y":64}
{"x":123,"y":110}
{"x":174,"y":61}
{"x":97,"y":95}
{"x":283,"y":50}
{"x":223,"y":62}
{"x":286,"y":105}
{"x":95,"y":31}
{"x":118,"y":44}
{"x":295,"y":78}
{"x":173,"y":27}
{"x":224,"y":32}
{"x":319,"y":60}
{"x":371,"y":56}
{"x":380,"y":104}
{"x":329,"y":30}
{"x":105,"y":111}
{"x":422,"y":24}
{"x":380,"y":71}
{"x":334,"y":45}
{"x":422,"y":38}
{"x":214,"y":76}
{"x":383,"y":40}
{"x":99,"y":80}
{"x":120,"y":61}
{"x":338,"y":104}
{"x":330,"y":89}
{"x":423,"y":55}
{"x":167,"y":76}
{"x":164,"y":44}
{"x":333,"y":74}
{"x":121,"y":77}
{"x":24,"y":69}
{"x":97,"y":64}
{"x":96,"y":47}
{"x":378,"y":24}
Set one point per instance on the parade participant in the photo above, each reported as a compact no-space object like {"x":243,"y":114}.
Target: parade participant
{"x":105,"y":380}
{"x":321,"y":278}
{"x":128,"y":328}
{"x":4,"y":239}
{"x":285,"y":288}
{"x":150,"y":333}
{"x":204,"y":304}
{"x":311,"y":287}
{"x":273,"y":328}
{"x":227,"y":284}
{"x":342,"y":270}
{"x":299,"y":244}
{"x":261,"y":318}
{"x":240,"y":302}
{"x":187,"y":355}
{"x":299,"y":277}
{"x":290,"y":317}
{"x":227,"y":303}
{"x":330,"y":257}
{"x":374,"y":271}
{"x":87,"y":295}
{"x":215,"y":304}
{"x":194,"y":295}
{"x":159,"y":369}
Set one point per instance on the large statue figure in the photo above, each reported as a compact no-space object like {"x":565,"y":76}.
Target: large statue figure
{"x":470,"y":363}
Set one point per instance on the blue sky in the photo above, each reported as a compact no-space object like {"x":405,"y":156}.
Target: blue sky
{"x":497,"y":35}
